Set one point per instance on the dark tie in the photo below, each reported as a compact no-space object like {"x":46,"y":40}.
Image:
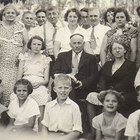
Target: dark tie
{"x":54,"y":34}
{"x":75,"y":64}
{"x":44,"y":33}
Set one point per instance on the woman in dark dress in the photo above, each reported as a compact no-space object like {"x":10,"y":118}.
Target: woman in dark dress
{"x":119,"y":75}
{"x":128,"y":34}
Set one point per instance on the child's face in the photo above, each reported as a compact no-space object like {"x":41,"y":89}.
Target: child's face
{"x":36,"y":46}
{"x":22,"y":92}
{"x":62,"y":90}
{"x":110,"y":103}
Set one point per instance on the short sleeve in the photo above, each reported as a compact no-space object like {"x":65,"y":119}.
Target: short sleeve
{"x":45,"y":120}
{"x":77,"y":123}
{"x":34,"y":108}
{"x":46,"y":61}
{"x":133,"y":32}
{"x":96,"y":122}
{"x":23,"y":56}
{"x":131,"y":127}
{"x":121,"y":124}
{"x":12,"y":108}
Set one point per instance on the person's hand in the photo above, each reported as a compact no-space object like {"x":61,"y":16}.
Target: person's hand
{"x":45,"y":53}
{"x":71,"y":75}
{"x":36,"y":85}
{"x":138,"y":95}
{"x":138,"y":98}
{"x":78,"y":84}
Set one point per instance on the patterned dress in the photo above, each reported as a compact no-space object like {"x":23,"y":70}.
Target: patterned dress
{"x":11,"y":42}
{"x":127,"y":35}
{"x":33,"y":70}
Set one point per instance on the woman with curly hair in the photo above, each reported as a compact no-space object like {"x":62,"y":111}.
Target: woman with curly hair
{"x":110,"y":124}
{"x":62,"y":37}
{"x":129,"y":36}
{"x":13,"y":39}
{"x":119,"y":75}
{"x":109,"y":17}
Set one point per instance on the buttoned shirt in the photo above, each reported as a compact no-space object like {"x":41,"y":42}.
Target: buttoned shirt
{"x":61,"y":24}
{"x":99,"y":32}
{"x":39,"y":30}
{"x":132,"y":124}
{"x":65,"y":117}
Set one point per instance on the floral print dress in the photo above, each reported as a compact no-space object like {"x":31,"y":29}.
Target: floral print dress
{"x":11,"y":43}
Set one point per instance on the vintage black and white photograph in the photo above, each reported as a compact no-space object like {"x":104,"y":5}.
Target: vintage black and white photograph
{"x":69,"y":70}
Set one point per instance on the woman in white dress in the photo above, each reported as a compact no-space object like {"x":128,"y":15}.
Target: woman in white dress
{"x":62,"y":38}
{"x":34,"y":67}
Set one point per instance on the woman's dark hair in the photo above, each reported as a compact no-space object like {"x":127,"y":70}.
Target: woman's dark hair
{"x":72,"y":10}
{"x":118,"y":95}
{"x":38,"y":38}
{"x":25,"y":83}
{"x":112,"y":9}
{"x":84,"y":10}
{"x":138,"y":10}
{"x":118,"y":10}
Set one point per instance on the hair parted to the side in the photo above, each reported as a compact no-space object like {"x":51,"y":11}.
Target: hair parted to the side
{"x":39,"y":11}
{"x":38,"y":38}
{"x":76,"y":11}
{"x":62,"y":78}
{"x":25,"y":83}
{"x":119,"y":96}
{"x":112,"y":9}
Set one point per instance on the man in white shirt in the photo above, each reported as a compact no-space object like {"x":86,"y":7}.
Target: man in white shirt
{"x":45,"y":30}
{"x":53,"y":17}
{"x":97,"y":31}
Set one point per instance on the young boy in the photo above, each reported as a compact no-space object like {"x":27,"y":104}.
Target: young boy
{"x":62,"y":116}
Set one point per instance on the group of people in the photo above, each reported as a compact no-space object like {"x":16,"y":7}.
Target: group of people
{"x":71,"y":78}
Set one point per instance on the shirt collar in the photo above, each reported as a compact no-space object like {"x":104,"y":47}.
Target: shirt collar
{"x":79,"y":54}
{"x":66,"y":102}
{"x":96,"y":26}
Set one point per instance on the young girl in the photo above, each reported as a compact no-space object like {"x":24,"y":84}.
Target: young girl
{"x":110,"y":124}
{"x":23,"y":110}
{"x":35,"y":67}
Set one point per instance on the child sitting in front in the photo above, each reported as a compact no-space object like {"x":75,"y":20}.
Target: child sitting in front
{"x":23,"y":110}
{"x":132,"y":130}
{"x":62,"y":116}
{"x":110,"y":124}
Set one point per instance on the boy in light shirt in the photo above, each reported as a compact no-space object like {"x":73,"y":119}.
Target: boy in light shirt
{"x":62,"y":116}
